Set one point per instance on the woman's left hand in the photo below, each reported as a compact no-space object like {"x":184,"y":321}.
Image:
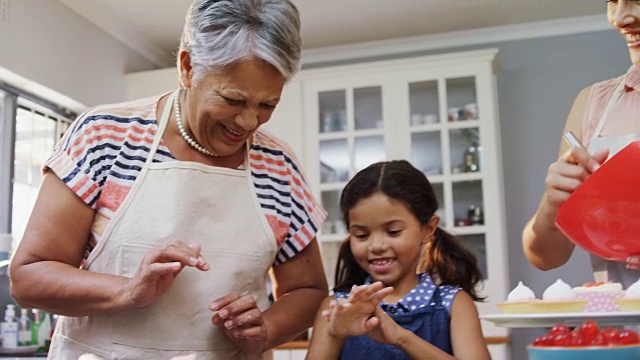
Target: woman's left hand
{"x":241,"y":320}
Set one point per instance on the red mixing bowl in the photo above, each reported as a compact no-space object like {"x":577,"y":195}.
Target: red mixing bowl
{"x":603,"y":214}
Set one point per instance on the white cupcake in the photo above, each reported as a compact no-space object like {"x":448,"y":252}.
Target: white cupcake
{"x":631,"y":298}
{"x":521,"y":293}
{"x":558,"y":291}
{"x":518,"y":301}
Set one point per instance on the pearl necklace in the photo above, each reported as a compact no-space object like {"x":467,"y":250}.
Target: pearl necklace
{"x":191,"y":141}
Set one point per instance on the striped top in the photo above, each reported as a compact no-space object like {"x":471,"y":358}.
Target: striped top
{"x":104,"y":150}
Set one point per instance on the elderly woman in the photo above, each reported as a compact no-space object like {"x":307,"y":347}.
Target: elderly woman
{"x":158,"y":220}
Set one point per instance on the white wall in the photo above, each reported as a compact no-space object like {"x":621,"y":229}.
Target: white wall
{"x":44,"y":43}
{"x":148,"y":83}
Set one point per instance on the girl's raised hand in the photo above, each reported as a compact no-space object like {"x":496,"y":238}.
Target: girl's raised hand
{"x":354,"y":315}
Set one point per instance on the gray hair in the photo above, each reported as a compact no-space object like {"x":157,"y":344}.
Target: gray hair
{"x":219,"y":33}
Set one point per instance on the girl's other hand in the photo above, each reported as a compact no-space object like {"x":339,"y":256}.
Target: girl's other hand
{"x":388,"y":332}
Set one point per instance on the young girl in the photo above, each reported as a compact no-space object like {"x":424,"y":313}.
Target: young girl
{"x":382,"y":308}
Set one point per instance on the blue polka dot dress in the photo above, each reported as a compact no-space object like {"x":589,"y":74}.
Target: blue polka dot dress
{"x":425,"y":311}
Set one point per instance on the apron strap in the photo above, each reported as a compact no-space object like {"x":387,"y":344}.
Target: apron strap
{"x":617,"y":93}
{"x":162,"y":125}
{"x":598,"y":264}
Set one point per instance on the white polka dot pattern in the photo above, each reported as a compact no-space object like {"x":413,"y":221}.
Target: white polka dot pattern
{"x":419,"y":297}
{"x":600,"y":301}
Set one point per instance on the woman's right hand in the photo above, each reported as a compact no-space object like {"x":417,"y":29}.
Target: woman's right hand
{"x":159,"y":269}
{"x":569,"y":171}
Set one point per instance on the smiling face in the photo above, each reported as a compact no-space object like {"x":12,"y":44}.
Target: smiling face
{"x":624,"y":15}
{"x":223,"y":109}
{"x":386,"y":240}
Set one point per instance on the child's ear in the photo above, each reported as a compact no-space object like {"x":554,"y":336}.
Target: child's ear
{"x":430,"y":228}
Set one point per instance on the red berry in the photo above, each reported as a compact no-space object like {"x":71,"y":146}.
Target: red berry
{"x":597,"y":341}
{"x":563,"y":340}
{"x":588,"y":330}
{"x":610,"y":336}
{"x":559,"y":329}
{"x":628,"y":337}
{"x":543,"y":340}
{"x":577,"y":339}
{"x":539,"y":340}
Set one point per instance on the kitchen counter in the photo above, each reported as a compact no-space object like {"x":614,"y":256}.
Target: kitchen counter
{"x":21,"y":353}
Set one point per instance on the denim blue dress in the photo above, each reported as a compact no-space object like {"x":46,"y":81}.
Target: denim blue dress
{"x":425,"y":311}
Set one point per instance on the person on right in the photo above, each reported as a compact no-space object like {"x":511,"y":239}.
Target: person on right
{"x":405,"y":288}
{"x":604,"y":118}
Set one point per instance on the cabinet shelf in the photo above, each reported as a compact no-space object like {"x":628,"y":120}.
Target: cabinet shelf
{"x":468,"y":230}
{"x":356,"y":133}
{"x":332,"y":186}
{"x":466,"y":176}
{"x":461,"y":124}
{"x":332,"y":238}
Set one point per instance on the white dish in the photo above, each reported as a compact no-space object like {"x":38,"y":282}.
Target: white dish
{"x":24,"y":350}
{"x":550,"y":319}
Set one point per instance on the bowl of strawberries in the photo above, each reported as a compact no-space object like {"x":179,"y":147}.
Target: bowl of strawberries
{"x":586,"y":342}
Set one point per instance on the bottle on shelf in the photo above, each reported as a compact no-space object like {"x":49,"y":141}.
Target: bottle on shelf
{"x":9,"y":328}
{"x":473,"y":153}
{"x":475,"y":215}
{"x":41,"y":329}
{"x":24,"y":328}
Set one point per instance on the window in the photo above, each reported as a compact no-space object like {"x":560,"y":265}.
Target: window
{"x":37,"y":132}
{"x":28,"y":132}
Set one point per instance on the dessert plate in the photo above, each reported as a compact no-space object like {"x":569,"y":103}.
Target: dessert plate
{"x":601,"y":216}
{"x":571,"y":319}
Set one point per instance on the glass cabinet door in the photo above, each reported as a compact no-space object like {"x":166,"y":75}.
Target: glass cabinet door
{"x":424,"y":106}
{"x":333,"y":111}
{"x":461,"y":99}
{"x":445,"y":145}
{"x":351,"y":137}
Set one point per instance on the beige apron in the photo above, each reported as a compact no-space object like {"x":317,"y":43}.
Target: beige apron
{"x":195,"y":203}
{"x":604,"y":270}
